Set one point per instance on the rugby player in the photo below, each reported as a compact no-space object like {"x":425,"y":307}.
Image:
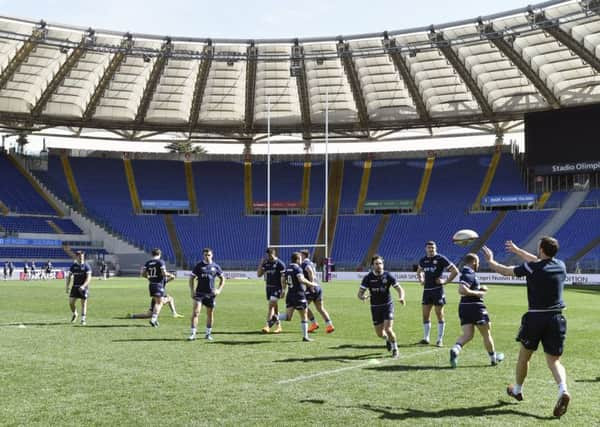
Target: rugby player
{"x":473,"y":313}
{"x":205,"y":273}
{"x":378,"y":283}
{"x":81,"y":275}
{"x":429,"y":274}
{"x":295,"y":284}
{"x":155,"y":270}
{"x":544,"y":321}
{"x":273,"y":269}
{"x":314,"y":294}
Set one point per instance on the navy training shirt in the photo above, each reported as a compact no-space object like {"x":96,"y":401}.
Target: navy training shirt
{"x":79,"y":273}
{"x":433,"y":267}
{"x":155,"y":271}
{"x":469,"y":278}
{"x":305,"y":265}
{"x":206,"y":274}
{"x":379,"y":287}
{"x":545,"y":283}
{"x":296,"y":290}
{"x":273,"y":271}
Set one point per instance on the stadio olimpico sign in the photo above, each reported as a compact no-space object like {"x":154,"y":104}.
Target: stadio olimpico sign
{"x":568,"y":168}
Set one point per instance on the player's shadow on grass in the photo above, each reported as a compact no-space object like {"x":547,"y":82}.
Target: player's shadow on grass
{"x":390,"y":413}
{"x":239,"y":342}
{"x":147,"y":339}
{"x":250,"y":333}
{"x":405,"y":368}
{"x":315,"y":401}
{"x":26,"y":324}
{"x":340,"y":358}
{"x":366,"y":347}
{"x":596,"y":380}
{"x":128,"y":325}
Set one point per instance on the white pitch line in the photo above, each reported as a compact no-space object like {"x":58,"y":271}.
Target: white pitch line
{"x":348,"y":368}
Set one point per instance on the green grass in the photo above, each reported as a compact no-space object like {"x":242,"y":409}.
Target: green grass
{"x":117,"y":371}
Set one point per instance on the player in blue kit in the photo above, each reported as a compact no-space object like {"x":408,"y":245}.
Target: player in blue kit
{"x":429,"y":273}
{"x":155,"y":270}
{"x":296,"y":286}
{"x":544,"y":321}
{"x":472,"y":312}
{"x":81,"y":275}
{"x":315,"y":295}
{"x":378,"y":282}
{"x":272,"y":268}
{"x":205,"y":293}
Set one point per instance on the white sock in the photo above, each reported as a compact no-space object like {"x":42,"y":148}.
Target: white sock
{"x":517,"y":388}
{"x":457,"y":348}
{"x":441,"y":328}
{"x":394,"y":345}
{"x":154,"y":317}
{"x":208,"y":330}
{"x":426,"y":330}
{"x":194,"y":331}
{"x":562,"y":389}
{"x":329,"y":322}
{"x":304,"y":327}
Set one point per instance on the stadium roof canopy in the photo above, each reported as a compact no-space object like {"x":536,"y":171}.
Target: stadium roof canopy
{"x":485,"y":72}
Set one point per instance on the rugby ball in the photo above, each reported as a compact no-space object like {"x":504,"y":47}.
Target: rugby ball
{"x":465,"y":237}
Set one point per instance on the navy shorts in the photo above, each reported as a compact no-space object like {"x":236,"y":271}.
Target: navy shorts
{"x":434,"y":297}
{"x":273,"y":292}
{"x":379,"y":313}
{"x":297,"y":304}
{"x":315,"y":294}
{"x":550,"y":328}
{"x":157,"y":290}
{"x":206,"y":300}
{"x":473,"y":314}
{"x":77,"y":292}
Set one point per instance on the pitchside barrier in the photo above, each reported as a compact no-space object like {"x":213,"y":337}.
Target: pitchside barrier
{"x":409,"y":276}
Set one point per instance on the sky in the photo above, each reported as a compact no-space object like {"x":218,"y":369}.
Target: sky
{"x":252,"y":19}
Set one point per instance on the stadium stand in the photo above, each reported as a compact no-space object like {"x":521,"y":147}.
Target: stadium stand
{"x":395,"y":179}
{"x":286,"y":181}
{"x":351,"y":184}
{"x":577,"y":231}
{"x":20,"y":196}
{"x":105,"y":194}
{"x":352,"y":238}
{"x":454,"y":185}
{"x":31,"y":224}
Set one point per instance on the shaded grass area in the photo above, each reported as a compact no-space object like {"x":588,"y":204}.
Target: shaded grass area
{"x":118,"y":371}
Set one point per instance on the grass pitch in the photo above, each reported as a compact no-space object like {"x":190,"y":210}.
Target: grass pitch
{"x":116,"y":371}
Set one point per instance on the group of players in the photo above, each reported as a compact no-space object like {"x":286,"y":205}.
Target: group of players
{"x":544,"y":322}
{"x":30,"y":271}
{"x":296,"y":282}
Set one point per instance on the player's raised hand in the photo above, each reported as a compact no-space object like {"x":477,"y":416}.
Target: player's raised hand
{"x":511,"y":247}
{"x":487,"y":253}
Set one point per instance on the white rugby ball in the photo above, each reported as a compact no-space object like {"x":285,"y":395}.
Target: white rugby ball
{"x":465,"y":237}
